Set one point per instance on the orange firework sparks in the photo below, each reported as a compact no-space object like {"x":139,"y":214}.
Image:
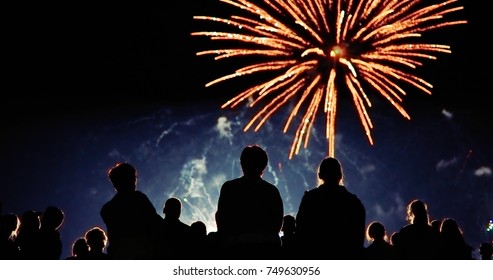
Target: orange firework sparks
{"x":315,"y":48}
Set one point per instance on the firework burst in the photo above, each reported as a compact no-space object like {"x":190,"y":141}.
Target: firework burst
{"x":316,"y":49}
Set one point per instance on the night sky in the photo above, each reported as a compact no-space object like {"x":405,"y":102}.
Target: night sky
{"x":77,"y":65}
{"x":81,"y":57}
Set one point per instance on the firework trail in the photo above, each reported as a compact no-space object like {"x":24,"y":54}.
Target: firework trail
{"x":315,"y":50}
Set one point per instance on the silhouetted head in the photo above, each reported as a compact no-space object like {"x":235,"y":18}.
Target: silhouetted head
{"x":436,"y":224}
{"x":199,"y":228}
{"x":288,"y":223}
{"x":417,"y":212}
{"x":30,"y":220}
{"x":172,"y":208}
{"x":394,"y":238}
{"x":9,"y":225}
{"x":330,"y":171}
{"x":96,"y":239}
{"x":80,"y":248}
{"x":123,"y":176}
{"x":451,"y":229}
{"x":253,"y":160}
{"x":375,"y":231}
{"x":52,"y":218}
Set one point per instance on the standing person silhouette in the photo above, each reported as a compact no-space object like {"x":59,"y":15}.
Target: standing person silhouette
{"x":379,"y":248}
{"x":96,"y":240}
{"x":451,"y":242}
{"x":50,"y":241}
{"x":288,"y":238}
{"x":250,"y":211}
{"x":80,"y":249}
{"x":9,"y":227}
{"x":330,"y":223}
{"x":175,"y":235}
{"x":417,"y":240}
{"x":131,"y":220}
{"x":28,"y":235}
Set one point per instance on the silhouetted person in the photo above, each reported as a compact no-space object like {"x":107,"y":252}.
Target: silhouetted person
{"x":80,"y":250}
{"x":417,"y":240}
{"x":486,"y":251}
{"x":436,"y":225}
{"x":214,"y":246}
{"x":9,"y":226}
{"x":288,"y":238}
{"x":131,"y":220}
{"x":199,"y":229}
{"x":28,"y":236}
{"x":175,"y":235}
{"x":250,"y":211}
{"x":199,"y":244}
{"x":379,"y":248}
{"x":96,"y":241}
{"x":394,"y":239}
{"x":452,"y":245}
{"x":50,"y":241}
{"x":330,"y":223}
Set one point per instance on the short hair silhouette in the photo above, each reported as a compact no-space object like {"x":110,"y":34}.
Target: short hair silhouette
{"x":123,"y":176}
{"x":288,"y":223}
{"x":330,"y":170}
{"x":172,"y":208}
{"x":436,"y":224}
{"x":199,"y":228}
{"x":375,"y":231}
{"x":250,"y":210}
{"x":253,"y":160}
{"x":30,"y":220}
{"x":52,"y":218}
{"x":80,"y":249}
{"x":130,"y":217}
{"x":96,"y":238}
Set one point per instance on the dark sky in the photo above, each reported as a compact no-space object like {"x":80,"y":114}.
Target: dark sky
{"x":66,"y":57}
{"x":83,"y":57}
{"x":75,"y":61}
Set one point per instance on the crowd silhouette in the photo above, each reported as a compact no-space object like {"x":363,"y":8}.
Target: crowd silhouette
{"x":251,"y":224}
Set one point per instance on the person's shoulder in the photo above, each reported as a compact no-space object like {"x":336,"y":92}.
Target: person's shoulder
{"x":106,"y":206}
{"x":356,"y":199}
{"x":313,"y":192}
{"x":350,"y":194}
{"x":407,"y":228}
{"x":269,"y":184}
{"x":140,"y":195}
{"x":272,"y":190}
{"x":231,"y":184}
{"x":234,"y":181}
{"x":184,"y":225}
{"x":111,"y":200}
